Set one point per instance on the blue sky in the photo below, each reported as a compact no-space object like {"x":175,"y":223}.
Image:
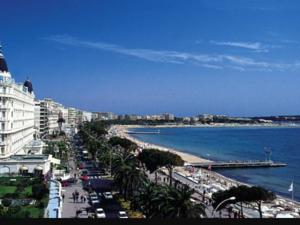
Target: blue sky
{"x":233,"y":57}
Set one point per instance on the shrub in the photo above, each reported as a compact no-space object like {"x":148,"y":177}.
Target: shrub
{"x":41,"y":205}
{"x":6,"y":202}
{"x":39,"y":191}
{"x":12,"y":195}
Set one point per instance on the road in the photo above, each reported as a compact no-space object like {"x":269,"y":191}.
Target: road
{"x":97,"y":183}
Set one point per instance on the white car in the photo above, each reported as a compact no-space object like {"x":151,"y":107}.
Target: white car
{"x":95,"y":201}
{"x":94,"y":198}
{"x":107,"y":195}
{"x":100,"y":213}
{"x":122,"y":215}
{"x":92,"y":195}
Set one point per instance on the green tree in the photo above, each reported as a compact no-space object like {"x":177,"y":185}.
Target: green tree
{"x":143,"y":201}
{"x":39,"y":190}
{"x":161,"y":201}
{"x":154,"y":159}
{"x":243,"y":194}
{"x":258,"y":195}
{"x":127,"y":176}
{"x":178,"y":204}
{"x":60,"y":121}
{"x":6,"y":202}
{"x":123,"y":142}
{"x":93,"y":146}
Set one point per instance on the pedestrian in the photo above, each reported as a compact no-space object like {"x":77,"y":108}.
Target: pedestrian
{"x":77,"y":196}
{"x":63,"y":197}
{"x":84,"y":199}
{"x":73,"y":195}
{"x":81,"y":198}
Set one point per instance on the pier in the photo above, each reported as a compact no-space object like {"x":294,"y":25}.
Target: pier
{"x":238,"y":164}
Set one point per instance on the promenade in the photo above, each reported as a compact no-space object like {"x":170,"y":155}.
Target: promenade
{"x":70,"y":207}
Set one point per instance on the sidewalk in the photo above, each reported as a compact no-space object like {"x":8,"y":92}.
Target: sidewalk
{"x":69,"y":207}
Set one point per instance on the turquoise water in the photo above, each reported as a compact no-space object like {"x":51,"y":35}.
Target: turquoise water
{"x":242,"y":143}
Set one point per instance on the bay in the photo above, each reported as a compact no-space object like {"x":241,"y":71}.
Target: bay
{"x":239,"y":143}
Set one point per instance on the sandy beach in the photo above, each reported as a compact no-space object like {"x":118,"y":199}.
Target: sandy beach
{"x":121,"y":131}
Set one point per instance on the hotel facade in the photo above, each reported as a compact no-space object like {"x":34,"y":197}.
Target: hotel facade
{"x":16,"y":112}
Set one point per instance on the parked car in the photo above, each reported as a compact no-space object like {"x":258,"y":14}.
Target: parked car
{"x":94,"y":198}
{"x":100,"y":213}
{"x":122,"y":215}
{"x":107,"y":195}
{"x":95,"y":202}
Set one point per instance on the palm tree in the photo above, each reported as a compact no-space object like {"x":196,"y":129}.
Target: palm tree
{"x":143,"y":201}
{"x":122,"y":168}
{"x":135,"y":178}
{"x":60,"y":121}
{"x":179,"y":204}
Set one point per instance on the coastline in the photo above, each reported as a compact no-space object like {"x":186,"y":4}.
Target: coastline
{"x":213,"y":125}
{"x":121,"y":131}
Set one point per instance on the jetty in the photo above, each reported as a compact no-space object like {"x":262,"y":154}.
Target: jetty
{"x":238,"y":164}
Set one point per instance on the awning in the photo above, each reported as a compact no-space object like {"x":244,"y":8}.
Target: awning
{"x":23,"y":168}
{"x":38,"y":168}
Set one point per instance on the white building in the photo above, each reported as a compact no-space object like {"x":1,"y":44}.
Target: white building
{"x":43,"y":119}
{"x":53,"y":113}
{"x":37,"y":118}
{"x":95,"y":116}
{"x":86,"y":116}
{"x":26,"y":163}
{"x":16,"y":112}
{"x":72,"y":112}
{"x":168,"y":116}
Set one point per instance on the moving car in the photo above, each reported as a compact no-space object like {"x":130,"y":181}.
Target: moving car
{"x":122,"y":215}
{"x":100,"y":213}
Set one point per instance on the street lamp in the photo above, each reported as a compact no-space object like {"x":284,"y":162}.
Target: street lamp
{"x":228,"y":199}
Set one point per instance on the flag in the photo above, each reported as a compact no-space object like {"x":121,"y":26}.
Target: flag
{"x":291,"y":187}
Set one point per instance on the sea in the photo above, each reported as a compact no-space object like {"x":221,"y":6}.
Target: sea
{"x":240,"y":143}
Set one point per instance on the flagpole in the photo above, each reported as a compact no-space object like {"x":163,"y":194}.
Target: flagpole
{"x":293,"y":192}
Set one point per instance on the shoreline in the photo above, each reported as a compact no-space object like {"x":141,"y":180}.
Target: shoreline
{"x":214,"y":125}
{"x":121,"y":131}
